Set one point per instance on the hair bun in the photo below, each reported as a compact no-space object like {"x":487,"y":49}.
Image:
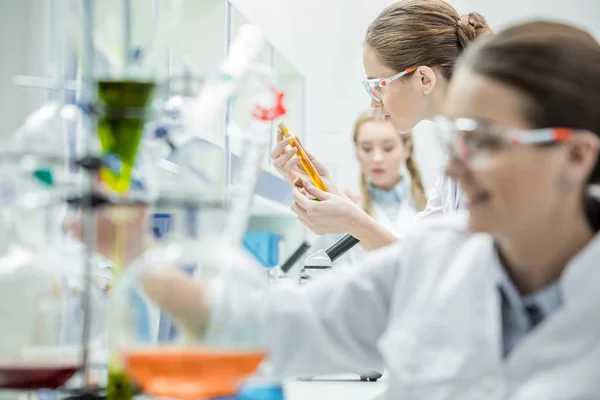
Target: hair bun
{"x":469,"y":27}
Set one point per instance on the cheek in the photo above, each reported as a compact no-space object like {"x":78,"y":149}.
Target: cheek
{"x":519,"y":183}
{"x":400,"y":103}
{"x":394,"y":160}
{"x":363,"y":160}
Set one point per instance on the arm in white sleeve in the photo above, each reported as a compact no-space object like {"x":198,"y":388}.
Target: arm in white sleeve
{"x":328,"y":326}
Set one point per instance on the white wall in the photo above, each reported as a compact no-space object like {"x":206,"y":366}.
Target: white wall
{"x":22,"y":48}
{"x":583,"y":13}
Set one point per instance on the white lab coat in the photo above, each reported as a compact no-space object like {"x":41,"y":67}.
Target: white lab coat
{"x":445,"y":197}
{"x":429,"y":308}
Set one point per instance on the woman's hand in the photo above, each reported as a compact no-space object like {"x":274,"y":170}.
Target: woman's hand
{"x":333,"y":214}
{"x":287,"y":163}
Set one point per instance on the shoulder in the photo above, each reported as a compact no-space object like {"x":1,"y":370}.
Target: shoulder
{"x":456,"y":223}
{"x":441,"y":248}
{"x":440,"y":234}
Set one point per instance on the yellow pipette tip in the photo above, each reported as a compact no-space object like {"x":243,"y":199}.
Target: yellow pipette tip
{"x":284,"y":129}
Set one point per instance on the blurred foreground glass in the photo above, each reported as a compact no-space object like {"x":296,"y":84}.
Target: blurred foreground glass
{"x":41,"y":281}
{"x":121,"y":58}
{"x":193,"y":266}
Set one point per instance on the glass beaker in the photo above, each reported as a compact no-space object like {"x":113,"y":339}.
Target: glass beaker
{"x":122,"y":60}
{"x":41,"y":284}
{"x":194,"y":360}
{"x":125,"y":110}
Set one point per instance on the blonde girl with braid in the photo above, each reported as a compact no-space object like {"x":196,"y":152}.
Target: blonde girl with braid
{"x":391,"y":189}
{"x":390,"y":182}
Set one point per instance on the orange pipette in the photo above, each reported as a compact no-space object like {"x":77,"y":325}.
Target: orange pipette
{"x":304,"y":160}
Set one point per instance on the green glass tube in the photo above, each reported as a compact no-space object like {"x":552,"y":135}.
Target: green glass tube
{"x":125,"y":111}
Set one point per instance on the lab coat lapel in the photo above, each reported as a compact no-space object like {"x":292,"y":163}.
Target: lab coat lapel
{"x":455,"y":344}
{"x":570,"y":331}
{"x":477,"y":270}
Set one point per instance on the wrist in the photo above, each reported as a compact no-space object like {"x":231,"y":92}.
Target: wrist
{"x":359,"y":223}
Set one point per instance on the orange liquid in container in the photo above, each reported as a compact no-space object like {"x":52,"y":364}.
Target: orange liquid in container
{"x":304,"y":160}
{"x":190,"y":374}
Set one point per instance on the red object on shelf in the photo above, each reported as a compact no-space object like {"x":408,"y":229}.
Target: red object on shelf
{"x":269,"y":114}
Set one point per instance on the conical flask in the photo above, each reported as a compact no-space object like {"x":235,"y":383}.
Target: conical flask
{"x":121,"y":58}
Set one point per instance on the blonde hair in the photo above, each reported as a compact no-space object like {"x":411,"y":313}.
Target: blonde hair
{"x":416,"y":188}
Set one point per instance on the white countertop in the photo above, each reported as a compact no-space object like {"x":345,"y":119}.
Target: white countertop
{"x":347,"y":387}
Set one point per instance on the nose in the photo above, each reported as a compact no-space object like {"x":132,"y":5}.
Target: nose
{"x":377,"y":155}
{"x":375,"y":104}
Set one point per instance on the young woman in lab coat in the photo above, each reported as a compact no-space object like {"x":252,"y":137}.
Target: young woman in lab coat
{"x":409,"y":54}
{"x":500,"y":302}
{"x":390,"y":182}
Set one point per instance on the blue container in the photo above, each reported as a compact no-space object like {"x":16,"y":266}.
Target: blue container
{"x":264,"y":246}
{"x":162,"y":224}
{"x":257,"y":393}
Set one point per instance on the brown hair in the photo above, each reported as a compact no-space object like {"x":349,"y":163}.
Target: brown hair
{"x":416,"y":189}
{"x":557,"y":69}
{"x":411,"y":33}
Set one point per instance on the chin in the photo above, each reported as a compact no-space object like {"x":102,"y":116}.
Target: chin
{"x":480,"y":221}
{"x":379,"y":182}
{"x":402,"y":126}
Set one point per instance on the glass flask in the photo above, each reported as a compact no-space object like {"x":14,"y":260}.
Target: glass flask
{"x":41,"y":284}
{"x":174,"y":283}
{"x":122,"y":50}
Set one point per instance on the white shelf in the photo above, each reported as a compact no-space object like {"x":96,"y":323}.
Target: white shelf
{"x":263,"y":206}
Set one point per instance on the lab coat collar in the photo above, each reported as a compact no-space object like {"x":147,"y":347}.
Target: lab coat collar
{"x":547,"y":299}
{"x":571,"y":330}
{"x":581,"y":277}
{"x":398,"y":192}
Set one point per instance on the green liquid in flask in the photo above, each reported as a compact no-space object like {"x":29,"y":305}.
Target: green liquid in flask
{"x":126,"y":105}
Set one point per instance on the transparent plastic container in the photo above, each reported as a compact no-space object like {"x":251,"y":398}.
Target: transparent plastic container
{"x":41,"y":283}
{"x":198,"y":280}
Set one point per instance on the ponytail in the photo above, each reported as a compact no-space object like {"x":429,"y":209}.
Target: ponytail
{"x":416,"y":187}
{"x":365,"y":194}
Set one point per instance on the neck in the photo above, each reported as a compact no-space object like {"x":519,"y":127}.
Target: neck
{"x":536,"y":255}
{"x":389,"y":186}
{"x":435,"y":105}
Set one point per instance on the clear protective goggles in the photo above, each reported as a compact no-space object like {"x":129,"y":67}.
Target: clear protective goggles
{"x":375,"y":86}
{"x":469,"y":139}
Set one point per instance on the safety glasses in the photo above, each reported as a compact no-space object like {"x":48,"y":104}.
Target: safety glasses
{"x":375,"y":86}
{"x":470,"y":139}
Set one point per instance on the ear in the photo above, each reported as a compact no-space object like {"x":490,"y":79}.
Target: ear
{"x":427,"y":79}
{"x":583,"y":154}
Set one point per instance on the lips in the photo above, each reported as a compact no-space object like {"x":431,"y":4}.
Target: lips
{"x":377,"y":171}
{"x":386,"y":117}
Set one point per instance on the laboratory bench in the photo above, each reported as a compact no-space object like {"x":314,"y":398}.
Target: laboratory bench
{"x":347,"y":387}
